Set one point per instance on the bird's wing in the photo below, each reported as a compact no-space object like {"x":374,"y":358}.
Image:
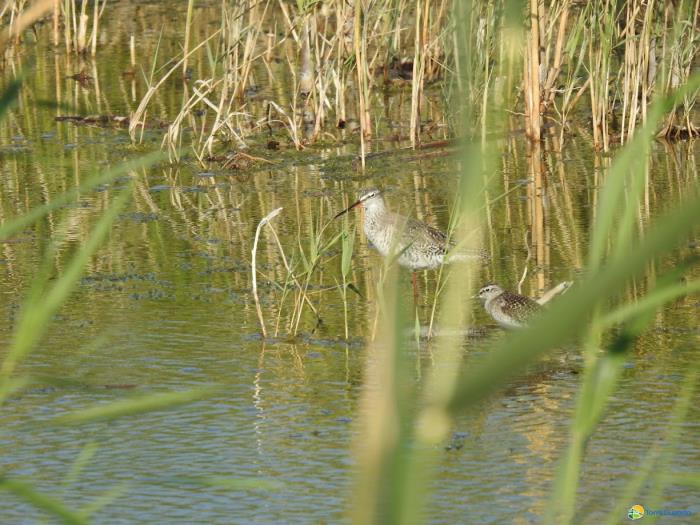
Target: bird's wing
{"x":521,"y":307}
{"x":423,"y":232}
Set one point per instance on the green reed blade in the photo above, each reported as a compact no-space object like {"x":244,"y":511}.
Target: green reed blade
{"x":137,"y":405}
{"x":348,"y":244}
{"x":48,"y":504}
{"x":651,"y":301}
{"x":40,"y":307}
{"x":106,"y":498}
{"x":80,"y":462}
{"x":598,"y":383}
{"x":611,"y":203}
{"x":230,"y":483}
{"x":682,"y":406}
{"x":651,"y":466}
{"x":388,"y":398}
{"x":16,"y":224}
{"x":8,"y":98}
{"x":688,"y":480}
{"x":569,"y":319}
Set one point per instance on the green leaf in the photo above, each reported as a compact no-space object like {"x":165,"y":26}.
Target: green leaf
{"x":40,"y":306}
{"x":137,"y":405}
{"x":41,"y":501}
{"x":18,"y":223}
{"x":8,"y":97}
{"x":348,"y":244}
{"x":651,"y":301}
{"x":568,"y":317}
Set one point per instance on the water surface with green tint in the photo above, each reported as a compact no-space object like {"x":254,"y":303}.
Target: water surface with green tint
{"x":166,"y":305}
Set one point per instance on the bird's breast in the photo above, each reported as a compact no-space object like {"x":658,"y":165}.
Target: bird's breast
{"x":379,"y":233}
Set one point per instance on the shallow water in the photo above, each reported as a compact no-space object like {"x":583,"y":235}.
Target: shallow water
{"x":166,"y":305}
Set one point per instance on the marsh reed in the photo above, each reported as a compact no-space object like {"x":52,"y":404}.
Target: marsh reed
{"x":571,"y":50}
{"x":601,"y":58}
{"x":403,"y":423}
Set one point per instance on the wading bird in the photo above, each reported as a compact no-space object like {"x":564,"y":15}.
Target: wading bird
{"x":508,"y":309}
{"x":416,"y":245}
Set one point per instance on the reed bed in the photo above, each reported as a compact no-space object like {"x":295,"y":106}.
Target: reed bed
{"x":616,"y":57}
{"x":572,"y":53}
{"x":603,"y":59}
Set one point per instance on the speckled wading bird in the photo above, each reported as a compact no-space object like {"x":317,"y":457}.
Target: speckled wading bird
{"x":418,"y":246}
{"x":508,"y":309}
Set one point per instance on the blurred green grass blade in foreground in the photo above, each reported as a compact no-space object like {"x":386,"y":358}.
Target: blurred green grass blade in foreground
{"x":48,"y":504}
{"x":8,"y":97}
{"x":16,"y":224}
{"x":580,"y":315}
{"x":625,"y":174}
{"x":569,"y":319}
{"x":137,"y":405}
{"x":45,"y":299}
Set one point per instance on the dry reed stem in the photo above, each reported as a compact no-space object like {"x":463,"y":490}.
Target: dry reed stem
{"x":359,"y":44}
{"x":265,"y":220}
{"x":558,"y":55}
{"x":141,"y":109}
{"x":532,"y":79}
{"x":24,"y":20}
{"x":553,"y":292}
{"x":188,"y":30}
{"x":418,"y":71}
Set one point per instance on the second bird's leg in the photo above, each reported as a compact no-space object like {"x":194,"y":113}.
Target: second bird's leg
{"x":415,"y":287}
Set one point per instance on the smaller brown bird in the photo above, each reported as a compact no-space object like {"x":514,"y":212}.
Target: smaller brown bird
{"x":508,"y":309}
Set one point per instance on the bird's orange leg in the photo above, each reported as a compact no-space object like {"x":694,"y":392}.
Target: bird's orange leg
{"x":415,"y":287}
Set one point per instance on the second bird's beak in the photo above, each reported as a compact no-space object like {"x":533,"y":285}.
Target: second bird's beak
{"x":347,"y":209}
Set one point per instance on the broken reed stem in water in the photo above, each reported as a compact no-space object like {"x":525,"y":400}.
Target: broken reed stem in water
{"x":302,"y":296}
{"x":553,"y":292}
{"x":254,"y":253}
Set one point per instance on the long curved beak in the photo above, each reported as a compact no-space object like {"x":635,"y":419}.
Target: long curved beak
{"x":347,"y":209}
